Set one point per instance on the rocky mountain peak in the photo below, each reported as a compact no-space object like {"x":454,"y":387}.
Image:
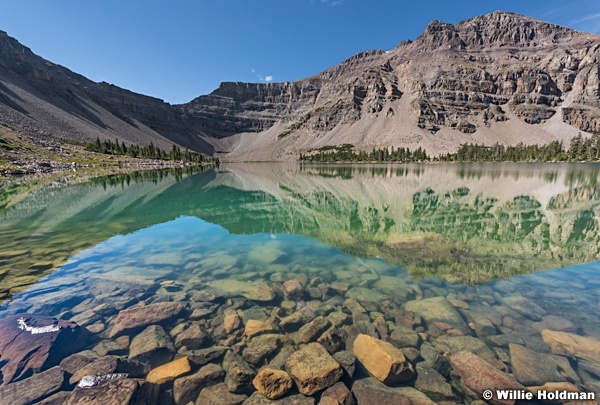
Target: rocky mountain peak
{"x":494,"y":30}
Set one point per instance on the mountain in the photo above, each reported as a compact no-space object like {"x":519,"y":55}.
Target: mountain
{"x":500,"y":77}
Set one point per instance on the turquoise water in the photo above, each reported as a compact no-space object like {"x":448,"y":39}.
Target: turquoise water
{"x":495,"y":240}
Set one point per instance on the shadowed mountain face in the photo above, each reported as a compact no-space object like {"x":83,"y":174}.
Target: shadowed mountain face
{"x":463,"y":223}
{"x":500,"y":77}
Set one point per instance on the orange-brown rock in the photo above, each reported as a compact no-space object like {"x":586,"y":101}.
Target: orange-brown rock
{"x":382,"y":360}
{"x":479,"y":376}
{"x":569,"y":344}
{"x":272,"y":383}
{"x":169,"y":371}
{"x":254,"y":327}
{"x":313,"y":369}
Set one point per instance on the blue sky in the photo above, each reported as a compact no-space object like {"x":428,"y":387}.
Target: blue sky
{"x":178,"y":50}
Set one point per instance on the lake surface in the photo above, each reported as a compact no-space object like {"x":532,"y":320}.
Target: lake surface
{"x":511,"y":248}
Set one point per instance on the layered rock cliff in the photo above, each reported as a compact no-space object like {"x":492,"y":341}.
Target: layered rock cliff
{"x":500,"y":77}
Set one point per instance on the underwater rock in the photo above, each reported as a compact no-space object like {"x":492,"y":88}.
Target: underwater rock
{"x":382,"y":360}
{"x":31,"y":389}
{"x":186,"y":389}
{"x":313,"y":369}
{"x":433,"y":384}
{"x":169,"y":371}
{"x":111,"y":365}
{"x":129,"y":320}
{"x":272,"y":383}
{"x":438,"y":309}
{"x":532,"y":368}
{"x":239,"y":374}
{"x":370,"y":391}
{"x":254,"y":327}
{"x":24,"y":353}
{"x":152,"y":346}
{"x":260,"y":347}
{"x":219,"y":395}
{"x":90,"y":381}
{"x":479,"y":376}
{"x":193,"y":338}
{"x":568,"y":344}
{"x":115,"y":392}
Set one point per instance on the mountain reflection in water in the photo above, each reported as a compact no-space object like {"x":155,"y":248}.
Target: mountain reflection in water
{"x":467,"y":223}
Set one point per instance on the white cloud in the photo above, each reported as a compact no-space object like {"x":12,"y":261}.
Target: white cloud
{"x":333,"y":2}
{"x":262,"y":78}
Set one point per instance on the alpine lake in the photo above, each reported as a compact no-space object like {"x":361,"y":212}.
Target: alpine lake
{"x":367,"y":284}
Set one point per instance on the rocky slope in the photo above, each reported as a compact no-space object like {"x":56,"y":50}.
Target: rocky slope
{"x":500,"y":77}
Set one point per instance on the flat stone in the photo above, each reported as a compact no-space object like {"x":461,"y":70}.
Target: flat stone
{"x":261,"y":293}
{"x":525,"y":307}
{"x":152,"y":346}
{"x":555,"y":323}
{"x":404,"y":337}
{"x":313,"y":369}
{"x":455,"y":344}
{"x":272,"y":383}
{"x":203,"y":356}
{"x":31,"y":389}
{"x":260,"y":347}
{"x":58,"y":398}
{"x":568,"y":344}
{"x":366,"y":295}
{"x":297,"y":319}
{"x":193,"y":338}
{"x":433,"y":384}
{"x":532,"y":368}
{"x":23,"y":353}
{"x":254,"y":327}
{"x":479,"y":376}
{"x":131,"y":319}
{"x":115,"y":392}
{"x":258,"y":399}
{"x":311,"y":331}
{"x":186,"y":389}
{"x":77,"y":361}
{"x":111,"y":365}
{"x":107,"y":347}
{"x":169,"y":371}
{"x":370,"y":391}
{"x":219,"y":395}
{"x":438,"y":309}
{"x":382,"y":360}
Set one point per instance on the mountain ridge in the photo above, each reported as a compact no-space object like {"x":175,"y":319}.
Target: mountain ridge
{"x":500,"y":77}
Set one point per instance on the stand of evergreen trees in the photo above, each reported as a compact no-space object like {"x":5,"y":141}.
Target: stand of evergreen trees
{"x":580,"y":149}
{"x":345,"y":153}
{"x":148,"y":152}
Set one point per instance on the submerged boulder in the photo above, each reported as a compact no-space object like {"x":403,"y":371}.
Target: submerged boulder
{"x":24,"y":353}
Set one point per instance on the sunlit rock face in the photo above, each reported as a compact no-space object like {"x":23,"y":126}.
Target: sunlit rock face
{"x":500,"y":77}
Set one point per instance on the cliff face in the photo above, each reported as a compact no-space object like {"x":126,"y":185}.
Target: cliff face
{"x":500,"y":77}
